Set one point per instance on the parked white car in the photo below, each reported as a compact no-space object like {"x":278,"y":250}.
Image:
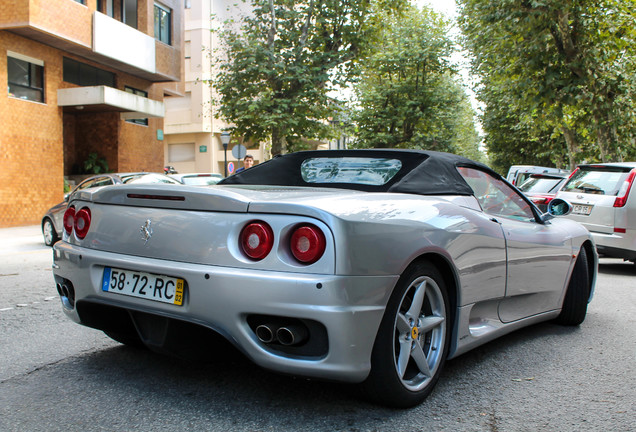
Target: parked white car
{"x":517,"y":174}
{"x":604,"y":201}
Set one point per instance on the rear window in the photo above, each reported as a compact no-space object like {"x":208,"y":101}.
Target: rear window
{"x":540,"y":184}
{"x":595,"y":180}
{"x":351,"y":170}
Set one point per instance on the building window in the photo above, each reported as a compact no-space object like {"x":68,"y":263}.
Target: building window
{"x":81,"y":1}
{"x":181,"y":153}
{"x":140,"y":121}
{"x":25,"y":78}
{"x":163,"y":23}
{"x":106,"y":7}
{"x":86,"y":75}
{"x":129,"y":12}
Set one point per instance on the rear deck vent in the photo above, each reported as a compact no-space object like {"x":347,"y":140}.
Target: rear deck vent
{"x":157,"y":197}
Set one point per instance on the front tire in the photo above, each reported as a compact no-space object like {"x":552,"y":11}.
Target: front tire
{"x":576,"y":297}
{"x":49,"y":233}
{"x":413,"y":339}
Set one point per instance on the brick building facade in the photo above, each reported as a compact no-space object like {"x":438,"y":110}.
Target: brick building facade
{"x":83,"y":77}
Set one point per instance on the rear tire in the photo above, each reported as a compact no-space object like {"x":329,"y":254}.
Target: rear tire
{"x":413,"y":340}
{"x":575,"y":303}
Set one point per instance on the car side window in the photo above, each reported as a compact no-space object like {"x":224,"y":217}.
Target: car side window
{"x":86,"y":185}
{"x":105,"y":181}
{"x":100,"y":181}
{"x":496,"y":197}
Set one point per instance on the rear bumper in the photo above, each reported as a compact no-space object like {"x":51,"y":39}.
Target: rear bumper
{"x":616,"y":245}
{"x":222,"y":299}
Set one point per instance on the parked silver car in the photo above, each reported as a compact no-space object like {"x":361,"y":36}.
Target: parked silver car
{"x":363,"y":266}
{"x":604,"y":201}
{"x":198,"y":179}
{"x":52,"y":224}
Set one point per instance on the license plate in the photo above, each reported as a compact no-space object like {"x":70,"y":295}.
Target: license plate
{"x":160,"y":288}
{"x":582,"y":209}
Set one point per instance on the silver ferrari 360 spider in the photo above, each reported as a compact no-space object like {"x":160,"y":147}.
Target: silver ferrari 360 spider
{"x":363,"y":266}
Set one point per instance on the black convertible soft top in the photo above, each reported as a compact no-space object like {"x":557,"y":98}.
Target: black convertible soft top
{"x":422,"y":172}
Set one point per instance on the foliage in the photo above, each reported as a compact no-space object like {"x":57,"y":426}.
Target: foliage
{"x":95,"y":164}
{"x":284,"y":61}
{"x":466,"y":140}
{"x":407,"y":95}
{"x":557,"y":77}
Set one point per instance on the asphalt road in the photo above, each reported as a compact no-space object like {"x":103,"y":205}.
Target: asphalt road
{"x":58,"y":376}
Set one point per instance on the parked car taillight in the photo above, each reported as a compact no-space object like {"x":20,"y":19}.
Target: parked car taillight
{"x":623,"y":192}
{"x":82,"y":222}
{"x":307,"y":243}
{"x":577,"y":169}
{"x":257,"y":240}
{"x":69,"y":220}
{"x":541,"y":200}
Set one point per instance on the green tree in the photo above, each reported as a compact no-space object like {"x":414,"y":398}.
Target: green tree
{"x":407,"y":95}
{"x":559,"y":73}
{"x":285,"y":61}
{"x":515,"y":136}
{"x":466,"y":139}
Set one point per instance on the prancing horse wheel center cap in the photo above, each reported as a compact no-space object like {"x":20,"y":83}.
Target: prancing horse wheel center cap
{"x":414,"y":333}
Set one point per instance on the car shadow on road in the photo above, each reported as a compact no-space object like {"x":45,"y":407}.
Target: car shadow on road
{"x":617,"y":268}
{"x":231,"y":378}
{"x":160,"y":392}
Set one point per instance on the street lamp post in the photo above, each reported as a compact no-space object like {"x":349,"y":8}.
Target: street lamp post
{"x":225,"y":140}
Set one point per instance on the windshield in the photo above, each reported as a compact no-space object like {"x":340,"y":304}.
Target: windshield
{"x":542,"y":184}
{"x":356,"y":170}
{"x":603,"y":181}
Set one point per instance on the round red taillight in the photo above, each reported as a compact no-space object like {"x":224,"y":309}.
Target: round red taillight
{"x":307,"y":244}
{"x":82,"y":222}
{"x":69,"y":220}
{"x":257,"y":240}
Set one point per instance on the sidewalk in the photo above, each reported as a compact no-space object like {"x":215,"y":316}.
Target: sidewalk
{"x":21,"y":239}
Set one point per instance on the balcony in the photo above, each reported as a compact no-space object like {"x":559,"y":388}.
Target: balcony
{"x":105,"y":99}
{"x":123,"y":44}
{"x":74,"y":28}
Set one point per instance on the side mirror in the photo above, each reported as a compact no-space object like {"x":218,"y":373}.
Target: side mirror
{"x":556,"y":207}
{"x":559,"y":207}
{"x":66,"y":196}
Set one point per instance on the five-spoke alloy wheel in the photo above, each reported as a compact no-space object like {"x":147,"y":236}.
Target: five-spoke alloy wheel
{"x":413,"y":339}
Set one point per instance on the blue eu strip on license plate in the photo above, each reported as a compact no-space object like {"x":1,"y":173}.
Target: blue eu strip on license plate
{"x":149,"y":286}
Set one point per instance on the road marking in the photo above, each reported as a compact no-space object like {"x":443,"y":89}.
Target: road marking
{"x":6,"y":309}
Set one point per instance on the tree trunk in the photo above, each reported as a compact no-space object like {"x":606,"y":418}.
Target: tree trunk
{"x":602,"y":138}
{"x":279,"y":143}
{"x":573,"y":148}
{"x":276,"y":143}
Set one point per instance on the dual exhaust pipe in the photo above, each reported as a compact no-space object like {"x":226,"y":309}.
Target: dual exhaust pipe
{"x":288,"y":335}
{"x":67,"y":294}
